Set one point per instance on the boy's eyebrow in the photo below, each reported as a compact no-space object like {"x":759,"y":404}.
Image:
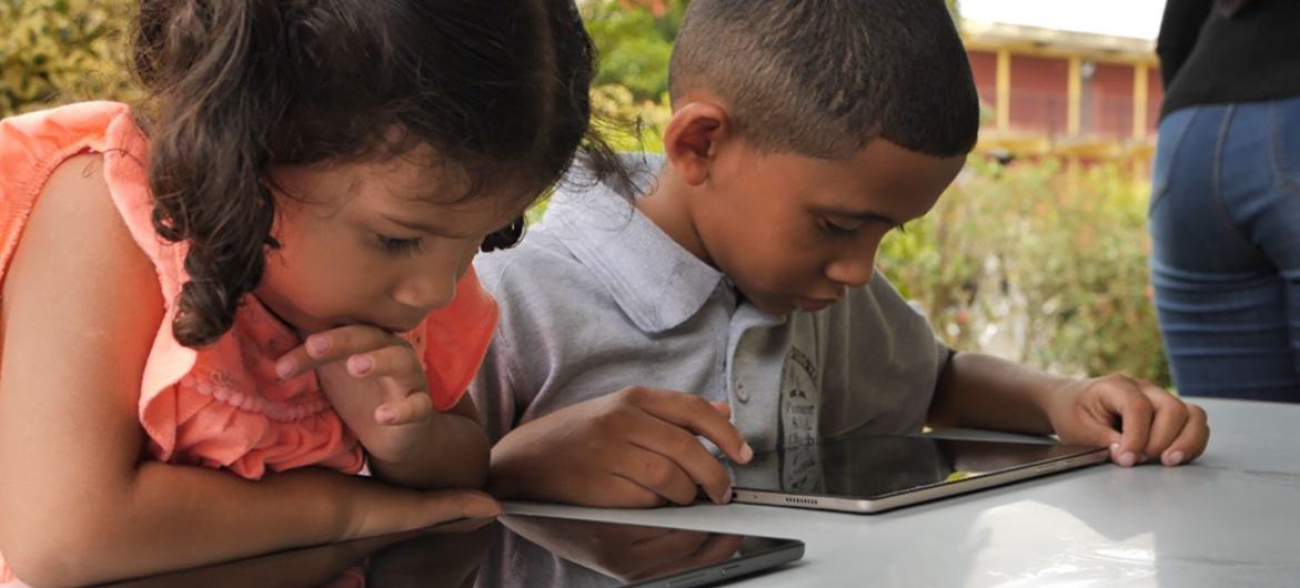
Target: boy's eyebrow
{"x":864,"y":216}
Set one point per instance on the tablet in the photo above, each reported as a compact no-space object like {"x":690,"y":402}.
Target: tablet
{"x":514,"y":551}
{"x":873,"y":473}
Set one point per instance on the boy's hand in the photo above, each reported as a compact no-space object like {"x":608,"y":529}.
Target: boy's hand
{"x":373,"y":380}
{"x":1138,"y":420}
{"x":633,"y":448}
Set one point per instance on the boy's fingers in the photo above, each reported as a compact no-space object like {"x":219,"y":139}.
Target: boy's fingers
{"x":698,"y":415}
{"x":659,"y":474}
{"x":1135,"y":412}
{"x":623,"y":492}
{"x":687,"y":454}
{"x":1170,"y":419}
{"x":1191,"y":442}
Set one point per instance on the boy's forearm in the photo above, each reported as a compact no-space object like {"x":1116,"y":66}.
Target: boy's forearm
{"x":452,"y":454}
{"x":984,"y":392}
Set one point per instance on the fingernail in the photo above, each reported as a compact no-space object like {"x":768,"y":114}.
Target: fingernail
{"x":285,"y":368}
{"x":746,"y":453}
{"x":361,"y":364}
{"x":727,"y":497}
{"x":1128,"y":459}
{"x":1175,"y":458}
{"x":385,"y":415}
{"x":483,"y":510}
{"x":317,"y":346}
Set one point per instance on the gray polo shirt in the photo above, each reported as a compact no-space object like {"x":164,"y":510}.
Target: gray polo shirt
{"x":597,"y":298}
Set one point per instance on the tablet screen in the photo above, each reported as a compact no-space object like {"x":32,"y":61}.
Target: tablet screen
{"x":514,"y":551}
{"x":873,"y":466}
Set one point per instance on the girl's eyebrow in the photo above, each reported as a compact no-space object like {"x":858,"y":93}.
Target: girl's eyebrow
{"x":865,"y":216}
{"x":414,"y":225}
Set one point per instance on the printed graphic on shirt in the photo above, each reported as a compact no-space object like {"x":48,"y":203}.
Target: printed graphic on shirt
{"x":800,"y":397}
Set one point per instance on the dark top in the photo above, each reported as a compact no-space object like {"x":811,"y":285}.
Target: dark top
{"x":1209,"y":57}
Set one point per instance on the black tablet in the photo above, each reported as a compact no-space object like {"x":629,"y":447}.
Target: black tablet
{"x":874,"y":473}
{"x":514,"y":551}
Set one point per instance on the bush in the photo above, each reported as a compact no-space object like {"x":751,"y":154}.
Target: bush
{"x":59,"y":51}
{"x":1039,"y":262}
{"x":635,"y":39}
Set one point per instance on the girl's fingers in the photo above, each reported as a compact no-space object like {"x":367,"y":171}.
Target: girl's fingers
{"x":414,"y":408}
{"x":394,"y":361}
{"x":334,"y":345}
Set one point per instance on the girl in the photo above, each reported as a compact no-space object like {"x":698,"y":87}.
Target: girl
{"x":265,"y":269}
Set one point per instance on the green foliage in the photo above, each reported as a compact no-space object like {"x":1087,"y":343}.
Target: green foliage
{"x":58,"y":51}
{"x":1037,"y":262}
{"x":635,"y":40}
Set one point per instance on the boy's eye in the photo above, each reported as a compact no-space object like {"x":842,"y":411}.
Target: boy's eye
{"x":397,"y":245}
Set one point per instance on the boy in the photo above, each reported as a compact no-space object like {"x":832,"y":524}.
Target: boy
{"x":736,"y":276}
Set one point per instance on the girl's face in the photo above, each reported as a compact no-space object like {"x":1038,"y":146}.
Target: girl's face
{"x":378,"y":243}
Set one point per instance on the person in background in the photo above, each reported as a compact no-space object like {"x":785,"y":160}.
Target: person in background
{"x":1225,"y":203}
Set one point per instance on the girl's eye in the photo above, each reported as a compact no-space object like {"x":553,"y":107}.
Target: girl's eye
{"x":399,"y":246}
{"x":840,"y":229}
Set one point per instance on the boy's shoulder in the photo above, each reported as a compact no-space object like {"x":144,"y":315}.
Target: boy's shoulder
{"x":538,"y":260}
{"x":583,"y":212}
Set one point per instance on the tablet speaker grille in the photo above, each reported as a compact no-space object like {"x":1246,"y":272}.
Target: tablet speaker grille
{"x":805,"y":501}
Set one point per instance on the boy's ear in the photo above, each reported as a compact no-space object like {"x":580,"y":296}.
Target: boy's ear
{"x":692,"y":138}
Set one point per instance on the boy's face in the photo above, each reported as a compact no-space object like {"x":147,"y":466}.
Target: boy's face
{"x":793,"y":232}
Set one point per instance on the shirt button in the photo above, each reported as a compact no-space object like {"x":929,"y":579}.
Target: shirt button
{"x":742,"y":394}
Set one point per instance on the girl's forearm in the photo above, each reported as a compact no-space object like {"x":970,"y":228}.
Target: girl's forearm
{"x":173,"y":517}
{"x":452,"y":454}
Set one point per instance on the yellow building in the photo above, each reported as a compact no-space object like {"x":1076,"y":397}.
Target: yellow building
{"x":1052,"y":92}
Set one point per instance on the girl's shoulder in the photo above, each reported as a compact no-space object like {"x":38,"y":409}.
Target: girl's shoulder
{"x":103,"y":153}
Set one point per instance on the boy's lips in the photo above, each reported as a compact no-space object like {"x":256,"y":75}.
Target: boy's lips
{"x":812,"y":304}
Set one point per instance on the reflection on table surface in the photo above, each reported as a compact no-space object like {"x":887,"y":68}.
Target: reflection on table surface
{"x":513,"y":551}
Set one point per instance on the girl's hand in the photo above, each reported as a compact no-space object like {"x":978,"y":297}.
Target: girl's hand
{"x":1138,"y":420}
{"x":374,"y":381}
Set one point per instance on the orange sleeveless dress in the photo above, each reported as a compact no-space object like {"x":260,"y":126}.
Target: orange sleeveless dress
{"x":221,"y":406}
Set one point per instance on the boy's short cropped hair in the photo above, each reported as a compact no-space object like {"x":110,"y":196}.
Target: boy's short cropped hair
{"x":823,"y":78}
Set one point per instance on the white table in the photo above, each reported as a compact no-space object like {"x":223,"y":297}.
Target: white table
{"x":1230,"y":519}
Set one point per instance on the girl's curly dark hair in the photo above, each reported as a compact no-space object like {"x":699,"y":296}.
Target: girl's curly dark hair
{"x":498,"y":89}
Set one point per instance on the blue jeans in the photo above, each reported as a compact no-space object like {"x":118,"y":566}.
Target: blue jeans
{"x":1225,"y":261}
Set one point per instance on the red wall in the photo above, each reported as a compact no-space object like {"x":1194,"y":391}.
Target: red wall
{"x":1040,"y":95}
{"x":1039,"y":90}
{"x":1107,"y":108}
{"x":984,"y":65}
